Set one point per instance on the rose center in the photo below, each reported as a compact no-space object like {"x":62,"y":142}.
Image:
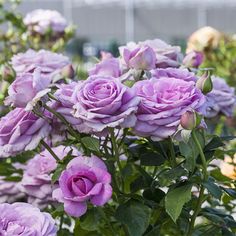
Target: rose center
{"x":83,"y":184}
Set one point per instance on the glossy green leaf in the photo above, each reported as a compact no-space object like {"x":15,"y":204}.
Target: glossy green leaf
{"x":175,"y":200}
{"x":91,"y":143}
{"x":135,"y":215}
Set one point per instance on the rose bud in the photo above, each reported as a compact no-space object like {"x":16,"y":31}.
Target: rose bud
{"x":68,"y":71}
{"x":193,"y":59}
{"x":204,"y":83}
{"x":7,"y":73}
{"x":138,"y":57}
{"x":190,"y":120}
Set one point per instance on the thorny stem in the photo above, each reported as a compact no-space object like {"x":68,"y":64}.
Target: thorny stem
{"x":50,"y":150}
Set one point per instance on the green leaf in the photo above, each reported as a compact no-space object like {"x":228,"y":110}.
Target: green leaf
{"x":151,"y":159}
{"x":214,"y":143}
{"x":175,"y":200}
{"x":216,"y":173}
{"x":91,"y":220}
{"x":7,"y":169}
{"x":154,"y":232}
{"x":190,"y":152}
{"x":141,"y":181}
{"x":230,"y":191}
{"x":13,"y":178}
{"x":58,"y":211}
{"x":155,"y":195}
{"x":135,"y":216}
{"x":169,"y":176}
{"x":213,"y":189}
{"x":56,"y":175}
{"x":91,"y":143}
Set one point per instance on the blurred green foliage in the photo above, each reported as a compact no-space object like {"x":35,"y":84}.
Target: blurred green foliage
{"x":222,"y":60}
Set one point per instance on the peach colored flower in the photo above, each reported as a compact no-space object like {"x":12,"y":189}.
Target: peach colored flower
{"x":228,"y":167}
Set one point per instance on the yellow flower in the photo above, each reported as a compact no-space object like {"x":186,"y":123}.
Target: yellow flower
{"x":204,"y":38}
{"x":228,"y":167}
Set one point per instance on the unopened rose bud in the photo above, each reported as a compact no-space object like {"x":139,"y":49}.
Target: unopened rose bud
{"x":68,"y":72}
{"x":193,"y":59}
{"x":204,"y":83}
{"x":190,"y":120}
{"x":7,"y":73}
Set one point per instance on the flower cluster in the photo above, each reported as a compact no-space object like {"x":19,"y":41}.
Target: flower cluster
{"x":150,"y":54}
{"x":42,"y":21}
{"x":36,"y":181}
{"x":149,"y":93}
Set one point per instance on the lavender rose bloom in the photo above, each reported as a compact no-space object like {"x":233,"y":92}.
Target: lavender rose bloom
{"x":65,"y":104}
{"x":21,"y":131}
{"x":23,"y":219}
{"x":10,"y":191}
{"x":102,"y":102}
{"x":138,"y":57}
{"x":36,"y":181}
{"x":221,"y":99}
{"x":178,"y":73}
{"x":41,"y":21}
{"x":50,"y":63}
{"x":193,"y":59}
{"x":28,"y":89}
{"x":85,"y":179}
{"x":163,"y":102}
{"x":107,"y":67}
{"x":166,"y":55}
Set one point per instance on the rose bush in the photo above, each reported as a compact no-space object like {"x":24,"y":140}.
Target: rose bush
{"x":127,"y":150}
{"x":40,"y":21}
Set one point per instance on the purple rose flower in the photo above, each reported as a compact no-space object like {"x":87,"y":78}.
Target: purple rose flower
{"x":65,"y":104}
{"x":85,"y":179}
{"x":163,"y":102}
{"x":193,"y":59}
{"x":138,"y":57}
{"x":41,"y":21}
{"x":221,"y":99}
{"x":21,"y":131}
{"x":178,"y":73}
{"x":166,"y":55}
{"x":10,"y":191}
{"x":50,"y":63}
{"x":36,"y":181}
{"x":107,"y":67}
{"x":25,"y":220}
{"x":28,"y":89}
{"x":102,"y":102}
